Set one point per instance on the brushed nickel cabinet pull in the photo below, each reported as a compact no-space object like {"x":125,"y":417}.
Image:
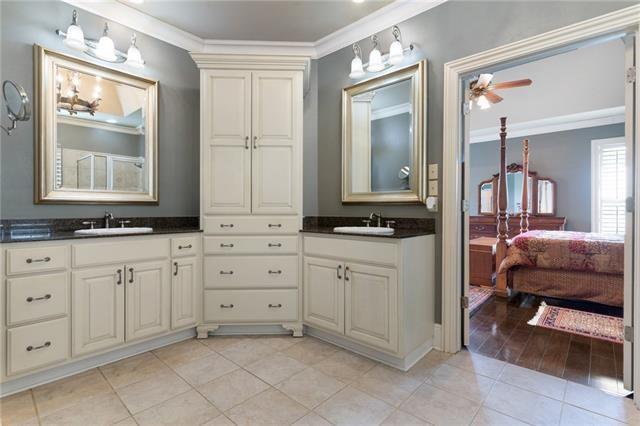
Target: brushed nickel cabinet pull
{"x":35,"y":348}
{"x":275,"y":244}
{"x":175,"y":272}
{"x":45,"y":259}
{"x":119,"y":272}
{"x":131,"y":277}
{"x":246,"y":142}
{"x":226,"y":272}
{"x":346,"y":271}
{"x":279,"y":305}
{"x":278,"y":272}
{"x":338,"y":272}
{"x":275,"y":225}
{"x":185,"y":247}
{"x":226,"y":306}
{"x":255,"y":142}
{"x":224,"y":225}
{"x":226,"y":245}
{"x":33,"y":299}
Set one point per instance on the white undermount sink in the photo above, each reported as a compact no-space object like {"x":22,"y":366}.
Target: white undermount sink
{"x":113,"y":231}
{"x":364,"y":230}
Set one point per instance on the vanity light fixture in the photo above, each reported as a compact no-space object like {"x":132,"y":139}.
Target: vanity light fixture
{"x":104,"y":48}
{"x":378,"y":61}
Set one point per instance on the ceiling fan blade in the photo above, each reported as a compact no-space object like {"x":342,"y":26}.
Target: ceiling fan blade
{"x":512,"y":84}
{"x":493,"y":98}
{"x":484,"y":80}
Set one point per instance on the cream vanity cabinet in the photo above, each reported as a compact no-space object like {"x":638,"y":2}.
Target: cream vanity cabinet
{"x":251,"y":190}
{"x":375,"y":293}
{"x":69,"y":300}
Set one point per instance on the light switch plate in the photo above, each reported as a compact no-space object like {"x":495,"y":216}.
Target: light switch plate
{"x":432,"y":204}
{"x":433,"y":188}
{"x":433,"y":171}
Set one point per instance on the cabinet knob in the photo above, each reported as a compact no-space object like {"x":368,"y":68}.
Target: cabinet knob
{"x":226,"y":272}
{"x":225,"y":225}
{"x":226,"y":245}
{"x":275,"y":225}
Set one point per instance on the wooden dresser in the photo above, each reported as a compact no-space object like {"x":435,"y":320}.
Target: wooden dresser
{"x":486,"y":226}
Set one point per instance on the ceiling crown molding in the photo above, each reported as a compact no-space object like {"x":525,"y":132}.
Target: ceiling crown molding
{"x":383,"y":18}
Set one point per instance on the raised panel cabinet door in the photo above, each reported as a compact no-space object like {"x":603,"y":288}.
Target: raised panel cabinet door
{"x":226,"y":145}
{"x":148,"y":299}
{"x":324,"y":293}
{"x":98,"y":309}
{"x":277,"y":141}
{"x":371,"y":305}
{"x":185,"y":292}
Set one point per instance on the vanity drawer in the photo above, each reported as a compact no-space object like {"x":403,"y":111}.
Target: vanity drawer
{"x":250,"y":271}
{"x":184,"y":246}
{"x":251,"y":245}
{"x":246,"y":306}
{"x":119,"y":252}
{"x":352,"y":249}
{"x":36,"y":345}
{"x":37,"y":297}
{"x":251,"y":225}
{"x":36,"y":259}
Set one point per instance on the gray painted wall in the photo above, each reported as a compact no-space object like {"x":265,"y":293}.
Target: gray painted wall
{"x":563,"y":156}
{"x":390,"y":151}
{"x":452,"y":30}
{"x":27,"y":22}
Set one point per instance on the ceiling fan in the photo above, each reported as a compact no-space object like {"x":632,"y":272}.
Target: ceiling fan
{"x":482,"y":90}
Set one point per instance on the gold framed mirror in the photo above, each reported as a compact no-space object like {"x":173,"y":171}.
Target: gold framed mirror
{"x":97,"y":137}
{"x":383,"y":128}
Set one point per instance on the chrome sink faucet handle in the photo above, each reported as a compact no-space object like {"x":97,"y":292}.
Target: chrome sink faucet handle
{"x":90,"y":222}
{"x":367,"y":222}
{"x":123,"y":223}
{"x":108,"y":217}
{"x":378,"y":216}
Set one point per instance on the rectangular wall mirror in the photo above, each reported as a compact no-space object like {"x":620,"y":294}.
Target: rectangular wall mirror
{"x":383,"y":138}
{"x":97,"y":133}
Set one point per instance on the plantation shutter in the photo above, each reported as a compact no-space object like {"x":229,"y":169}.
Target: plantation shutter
{"x":611,"y":191}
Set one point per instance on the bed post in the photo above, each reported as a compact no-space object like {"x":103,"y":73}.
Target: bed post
{"x":503,"y":226}
{"x":524,"y":210}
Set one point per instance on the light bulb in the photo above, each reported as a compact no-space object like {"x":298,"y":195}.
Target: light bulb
{"x":396,"y":52}
{"x":375,"y":61}
{"x":483,"y":102}
{"x":106,"y":49}
{"x":356,"y":68}
{"x":75,"y":35}
{"x":134,"y":58}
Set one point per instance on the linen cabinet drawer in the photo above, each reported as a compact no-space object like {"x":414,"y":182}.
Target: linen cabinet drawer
{"x":37,"y":345}
{"x":37,"y":297}
{"x":251,"y":245}
{"x":36,"y":259}
{"x":250,"y":271}
{"x":251,"y":225}
{"x":246,"y":306}
{"x":184,"y":246}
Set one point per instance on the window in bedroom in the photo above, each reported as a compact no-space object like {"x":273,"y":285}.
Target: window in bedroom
{"x":608,"y":178}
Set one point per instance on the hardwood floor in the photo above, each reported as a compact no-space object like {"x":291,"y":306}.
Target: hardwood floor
{"x":499,"y":330}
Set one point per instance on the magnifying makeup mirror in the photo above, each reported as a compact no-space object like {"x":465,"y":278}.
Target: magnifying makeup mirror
{"x":18,"y":104}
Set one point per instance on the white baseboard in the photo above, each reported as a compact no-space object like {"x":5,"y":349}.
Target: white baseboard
{"x":75,"y":367}
{"x":437,"y":336}
{"x":403,"y":364}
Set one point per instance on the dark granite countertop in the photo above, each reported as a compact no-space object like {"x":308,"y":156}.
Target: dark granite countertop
{"x":404,"y":227}
{"x":25,"y":230}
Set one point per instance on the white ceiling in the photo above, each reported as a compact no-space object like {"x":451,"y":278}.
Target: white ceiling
{"x":293,"y":20}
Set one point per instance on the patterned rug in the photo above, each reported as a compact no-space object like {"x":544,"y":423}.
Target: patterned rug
{"x":478,"y":295}
{"x":603,"y":327}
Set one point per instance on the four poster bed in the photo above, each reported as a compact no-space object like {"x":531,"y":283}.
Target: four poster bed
{"x":558,"y":264}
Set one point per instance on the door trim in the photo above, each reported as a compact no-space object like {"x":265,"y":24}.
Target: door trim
{"x":627,"y":20}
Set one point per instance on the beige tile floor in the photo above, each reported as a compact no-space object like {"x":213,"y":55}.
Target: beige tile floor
{"x":282,"y":380}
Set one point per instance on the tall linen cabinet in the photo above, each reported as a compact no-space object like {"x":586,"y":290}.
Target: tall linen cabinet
{"x":251,"y":112}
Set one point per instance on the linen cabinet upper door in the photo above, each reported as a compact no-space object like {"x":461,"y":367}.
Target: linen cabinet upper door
{"x":226,"y":156}
{"x":277,"y":136}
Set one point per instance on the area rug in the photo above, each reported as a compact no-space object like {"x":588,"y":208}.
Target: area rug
{"x":478,"y":295}
{"x":603,"y":327}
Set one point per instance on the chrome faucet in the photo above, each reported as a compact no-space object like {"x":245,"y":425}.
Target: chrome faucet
{"x":108,"y":217}
{"x":378,"y":216}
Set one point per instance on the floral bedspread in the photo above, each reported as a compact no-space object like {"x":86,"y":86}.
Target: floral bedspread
{"x":577,"y":251}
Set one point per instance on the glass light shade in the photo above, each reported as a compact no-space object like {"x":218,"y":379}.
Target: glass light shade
{"x":375,"y":61}
{"x":106,"y":49}
{"x":75,"y":38}
{"x":483,"y":102}
{"x":134,"y":58}
{"x":396,"y":53}
{"x":356,"y":68}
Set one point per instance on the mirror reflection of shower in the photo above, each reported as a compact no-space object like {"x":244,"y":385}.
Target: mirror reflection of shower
{"x":101,"y":172}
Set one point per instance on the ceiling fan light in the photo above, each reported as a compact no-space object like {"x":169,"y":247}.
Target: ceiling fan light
{"x":75,"y":35}
{"x":396,"y":53}
{"x":483,"y":102}
{"x":106,"y":50}
{"x":134,"y":57}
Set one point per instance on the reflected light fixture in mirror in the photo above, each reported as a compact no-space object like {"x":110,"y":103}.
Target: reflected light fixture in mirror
{"x":75,"y":35}
{"x":375,"y":57}
{"x":356,"y":63}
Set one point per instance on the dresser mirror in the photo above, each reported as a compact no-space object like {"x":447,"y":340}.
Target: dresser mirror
{"x":97,"y":133}
{"x":383,"y":138}
{"x":542,"y":201}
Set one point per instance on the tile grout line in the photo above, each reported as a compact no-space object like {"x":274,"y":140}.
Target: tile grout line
{"x":35,"y":406}
{"x":116,"y":393}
